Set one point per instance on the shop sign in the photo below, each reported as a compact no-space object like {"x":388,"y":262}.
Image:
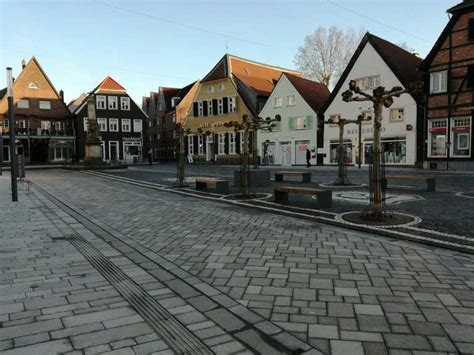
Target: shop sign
{"x":461,"y":129}
{"x":438,"y":129}
{"x":132,"y":139}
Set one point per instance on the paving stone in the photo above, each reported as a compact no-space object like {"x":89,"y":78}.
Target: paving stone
{"x":375,"y":349}
{"x":29,"y":329}
{"x":101,"y":316}
{"x":50,"y":347}
{"x":368,"y":309}
{"x":150,"y":347}
{"x":340,"y":310}
{"x":427,"y":328}
{"x":339,"y":347}
{"x":361,"y":336}
{"x":373,"y":323}
{"x":438,"y":315}
{"x":225,"y":319}
{"x":323,"y":331}
{"x":346,"y":291}
{"x":459,"y":333}
{"x":409,"y":342}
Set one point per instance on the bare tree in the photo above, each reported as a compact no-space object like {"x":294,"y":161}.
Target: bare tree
{"x":407,"y":47}
{"x":326,"y":53}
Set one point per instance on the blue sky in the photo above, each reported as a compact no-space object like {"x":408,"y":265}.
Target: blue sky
{"x":146,"y":44}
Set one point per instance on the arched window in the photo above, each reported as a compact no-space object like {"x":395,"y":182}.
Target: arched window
{"x":33,"y":86}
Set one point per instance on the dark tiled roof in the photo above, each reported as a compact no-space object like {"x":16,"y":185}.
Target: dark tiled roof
{"x":315,"y":94}
{"x":462,"y":6}
{"x":218,"y":72}
{"x":168,"y":94}
{"x":3,"y":92}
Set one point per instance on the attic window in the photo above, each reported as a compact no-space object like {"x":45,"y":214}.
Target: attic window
{"x":33,"y":86}
{"x":471,"y":29}
{"x":221,"y":87}
{"x":210,"y":89}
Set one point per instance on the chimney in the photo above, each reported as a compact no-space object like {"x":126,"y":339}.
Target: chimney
{"x":23,"y":64}
{"x":61,"y":94}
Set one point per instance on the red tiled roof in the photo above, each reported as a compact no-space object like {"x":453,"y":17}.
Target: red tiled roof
{"x":110,"y":84}
{"x":315,"y":94}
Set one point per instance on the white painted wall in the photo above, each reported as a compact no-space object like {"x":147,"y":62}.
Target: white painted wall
{"x":370,"y":63}
{"x":283,"y":89}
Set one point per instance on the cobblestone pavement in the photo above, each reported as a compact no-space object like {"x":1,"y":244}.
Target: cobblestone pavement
{"x":341,"y":291}
{"x":445,"y":211}
{"x":71,"y":289}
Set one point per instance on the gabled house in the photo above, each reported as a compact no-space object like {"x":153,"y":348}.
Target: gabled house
{"x":377,"y":62}
{"x":120,"y":122}
{"x":449,"y":77}
{"x":234,"y":87}
{"x":44,"y":126}
{"x":151,"y":126}
{"x":299,"y":102}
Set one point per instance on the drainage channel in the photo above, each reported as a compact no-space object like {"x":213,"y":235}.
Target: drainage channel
{"x":179,"y":339}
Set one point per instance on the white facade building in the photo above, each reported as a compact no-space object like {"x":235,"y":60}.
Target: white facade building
{"x":298,"y":101}
{"x":376,"y":63}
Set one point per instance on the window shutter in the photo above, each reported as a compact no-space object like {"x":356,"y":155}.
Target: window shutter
{"x":250,"y":141}
{"x":225,"y":104}
{"x":237,"y":142}
{"x":204,"y":107}
{"x":214,"y":107}
{"x":215,"y":144}
{"x":226,"y":143}
{"x":195,"y":109}
{"x":195,"y":145}
{"x":309,"y":122}
{"x":291,"y":123}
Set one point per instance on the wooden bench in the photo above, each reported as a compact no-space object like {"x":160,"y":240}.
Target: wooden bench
{"x":324,"y":196}
{"x":305,"y":175}
{"x":221,"y":186}
{"x":430,"y":181}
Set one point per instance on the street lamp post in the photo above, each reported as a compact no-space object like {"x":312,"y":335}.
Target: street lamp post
{"x":448,"y":145}
{"x":11,"y":118}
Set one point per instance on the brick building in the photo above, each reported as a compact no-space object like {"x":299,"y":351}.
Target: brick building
{"x":44,"y":126}
{"x":449,"y":74}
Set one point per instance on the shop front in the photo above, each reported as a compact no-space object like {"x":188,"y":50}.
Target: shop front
{"x":132,"y":149}
{"x":347,"y":151}
{"x":394,"y":149}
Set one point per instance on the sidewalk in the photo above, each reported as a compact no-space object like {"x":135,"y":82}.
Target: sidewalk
{"x":69,"y":285}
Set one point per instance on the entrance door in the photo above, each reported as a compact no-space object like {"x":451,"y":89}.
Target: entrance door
{"x":114,"y":150}
{"x":39,"y":151}
{"x":285,"y":154}
{"x":301,"y":147}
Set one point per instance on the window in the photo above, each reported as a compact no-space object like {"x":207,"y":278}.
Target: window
{"x":113,"y":125}
{"x":125,"y":103}
{"x":59,"y":125}
{"x":470,"y":77}
{"x":221,"y":87}
{"x":220,"y":106}
{"x":137,"y":125}
{"x":102,"y":122}
{"x":33,"y":86}
{"x":471,"y":29}
{"x":369,"y":82}
{"x":209,"y":107}
{"x":397,"y":114}
{"x":221,"y":147}
{"x":210,"y":89}
{"x":45,"y":105}
{"x":190,"y":145}
{"x":334,"y":119}
{"x":437,"y":134}
{"x":200,"y":109}
{"x":6,"y":123}
{"x":100,"y":102}
{"x":175,"y":101}
{"x":125,"y":125}
{"x":278,"y":102}
{"x":86,"y":123}
{"x":112,"y":102}
{"x":231,"y":104}
{"x":291,"y":100}
{"x":368,"y":115}
{"x":232,"y":141}
{"x":25,"y":124}
{"x":439,"y":82}
{"x":461,"y":139}
{"x":300,"y":122}
{"x":394,"y":150}
{"x":23,"y":103}
{"x":200,"y":144}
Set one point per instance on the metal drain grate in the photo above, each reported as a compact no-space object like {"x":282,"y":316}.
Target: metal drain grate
{"x":177,"y":336}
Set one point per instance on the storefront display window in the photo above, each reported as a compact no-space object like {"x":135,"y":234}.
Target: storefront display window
{"x":347,"y":151}
{"x":461,"y":137}
{"x":437,"y":137}
{"x":394,"y":148}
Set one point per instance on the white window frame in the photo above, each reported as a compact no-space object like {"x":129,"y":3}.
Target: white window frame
{"x":86,"y":123}
{"x":220,"y":106}
{"x":113,"y":125}
{"x":302,"y":119}
{"x":221,"y":143}
{"x":200,"y":144}
{"x":23,"y":103}
{"x":33,"y":85}
{"x":125,"y":103}
{"x":137,"y":126}
{"x":101,"y":102}
{"x":126,"y":125}
{"x":24,"y":124}
{"x":112,"y":102}
{"x":209,"y":108}
{"x":398,"y":110}
{"x":59,"y":125}
{"x":232,"y":143}
{"x":44,"y":105}
{"x":291,"y":100}
{"x":439,"y":82}
{"x":278,"y":102}
{"x":430,"y":125}
{"x":231,"y":104}
{"x":6,"y":123}
{"x":190,"y":145}
{"x":200,"y":108}
{"x":102,"y":122}
{"x":467,"y":120}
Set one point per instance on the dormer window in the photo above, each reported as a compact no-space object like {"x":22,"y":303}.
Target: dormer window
{"x":175,"y":101}
{"x":33,"y":86}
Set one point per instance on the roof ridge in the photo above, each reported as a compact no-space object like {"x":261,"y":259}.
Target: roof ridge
{"x":263,"y":64}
